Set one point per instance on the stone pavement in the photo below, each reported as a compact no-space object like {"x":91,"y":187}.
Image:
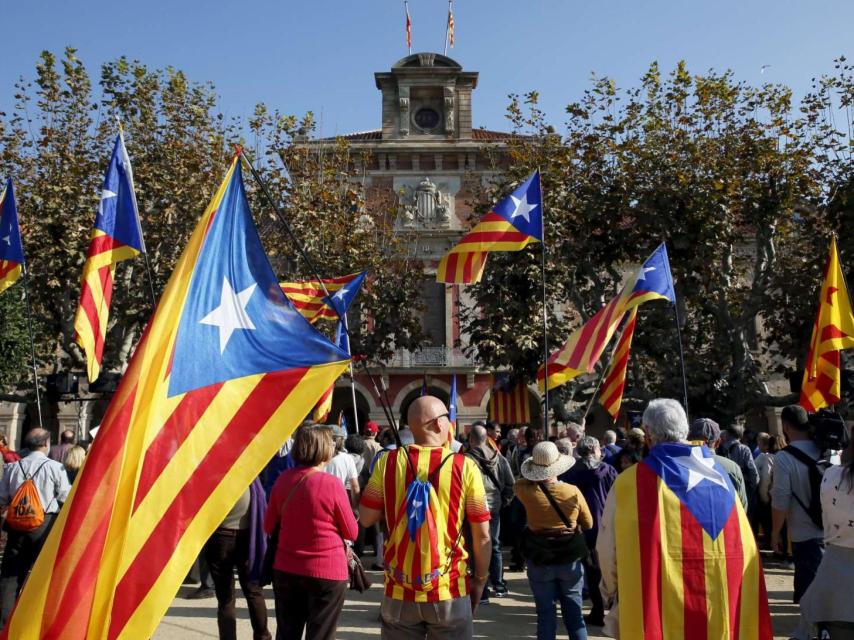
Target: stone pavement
{"x":511,"y":617}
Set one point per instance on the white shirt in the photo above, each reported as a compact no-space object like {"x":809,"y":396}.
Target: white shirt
{"x":343,"y":468}
{"x":837,"y":506}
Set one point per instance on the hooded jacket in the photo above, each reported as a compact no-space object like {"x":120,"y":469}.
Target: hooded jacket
{"x":497,"y":476}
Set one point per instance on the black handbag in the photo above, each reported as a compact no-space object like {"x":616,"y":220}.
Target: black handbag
{"x":359,"y":580}
{"x":554,"y":547}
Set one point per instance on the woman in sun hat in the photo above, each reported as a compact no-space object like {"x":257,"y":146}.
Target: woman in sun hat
{"x":554,"y":546}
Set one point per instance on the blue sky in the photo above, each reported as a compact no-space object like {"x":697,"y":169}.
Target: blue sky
{"x":321,"y":55}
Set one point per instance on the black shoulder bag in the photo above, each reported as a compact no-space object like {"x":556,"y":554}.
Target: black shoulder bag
{"x":555,"y":547}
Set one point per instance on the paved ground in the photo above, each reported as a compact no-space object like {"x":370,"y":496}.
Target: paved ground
{"x":511,"y":617}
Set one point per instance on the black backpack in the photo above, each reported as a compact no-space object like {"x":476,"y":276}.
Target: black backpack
{"x":816,"y":471}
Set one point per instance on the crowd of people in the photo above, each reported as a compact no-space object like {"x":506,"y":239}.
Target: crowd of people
{"x":435,"y":513}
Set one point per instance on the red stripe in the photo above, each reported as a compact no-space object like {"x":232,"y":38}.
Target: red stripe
{"x":454,"y":523}
{"x":390,"y":498}
{"x":256,"y":410}
{"x":830,"y":331}
{"x":586,"y":332}
{"x":488,"y":237}
{"x":451,"y":267}
{"x":6,"y":266}
{"x":403,"y":544}
{"x":764,"y":614}
{"x":603,"y":332}
{"x":72,"y":587}
{"x":102,"y":244}
{"x":435,"y":461}
{"x":172,"y":434}
{"x":468,"y":276}
{"x":649,"y":544}
{"x":91,"y":308}
{"x":693,"y":577}
{"x":734,"y":568}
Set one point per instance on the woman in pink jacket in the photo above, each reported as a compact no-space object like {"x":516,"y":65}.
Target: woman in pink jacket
{"x":314,"y":518}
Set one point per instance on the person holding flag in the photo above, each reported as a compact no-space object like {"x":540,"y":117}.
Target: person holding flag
{"x":677,"y":554}
{"x":513,"y":224}
{"x":117,"y":236}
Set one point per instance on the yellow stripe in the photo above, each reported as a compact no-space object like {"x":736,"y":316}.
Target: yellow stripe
{"x":10,"y":278}
{"x":107,"y":258}
{"x":717,"y":605}
{"x":247,"y":467}
{"x":749,"y":612}
{"x":629,"y":584}
{"x":673,"y":600}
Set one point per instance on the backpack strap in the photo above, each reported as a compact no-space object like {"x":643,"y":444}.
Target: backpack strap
{"x":812,"y":509}
{"x":30,"y":477}
{"x":487,"y":472}
{"x":556,"y":506}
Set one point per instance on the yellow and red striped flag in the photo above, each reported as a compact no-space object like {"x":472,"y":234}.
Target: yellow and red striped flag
{"x":117,"y":236}
{"x":512,"y":225}
{"x":11,"y":248}
{"x":614,"y":384}
{"x":450,"y":26}
{"x":580,"y":353}
{"x":511,"y":406}
{"x":307,"y":296}
{"x":222,"y":375}
{"x":832,"y":331}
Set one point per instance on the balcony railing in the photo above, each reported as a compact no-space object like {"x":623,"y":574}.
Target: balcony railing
{"x":431,"y":357}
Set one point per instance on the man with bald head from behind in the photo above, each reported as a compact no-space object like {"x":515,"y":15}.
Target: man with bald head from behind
{"x":424,"y":492}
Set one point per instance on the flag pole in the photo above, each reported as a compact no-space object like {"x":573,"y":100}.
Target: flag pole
{"x":595,"y":391}
{"x":545,"y":310}
{"x":681,"y":356}
{"x":352,"y":376}
{"x":32,"y":341}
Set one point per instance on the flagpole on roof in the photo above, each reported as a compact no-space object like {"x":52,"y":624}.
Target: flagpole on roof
{"x":545,"y":310}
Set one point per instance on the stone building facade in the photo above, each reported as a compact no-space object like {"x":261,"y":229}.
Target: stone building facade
{"x":429,"y":156}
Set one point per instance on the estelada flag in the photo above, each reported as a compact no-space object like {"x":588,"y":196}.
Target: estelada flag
{"x":580,"y":353}
{"x":117,"y":236}
{"x":309,"y":296}
{"x":11,"y":248}
{"x":832,"y":331}
{"x":687,"y":563}
{"x":611,"y":396}
{"x":224,"y":371}
{"x":512,"y":225}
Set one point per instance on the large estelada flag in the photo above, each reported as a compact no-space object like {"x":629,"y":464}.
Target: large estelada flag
{"x":687,"y":562}
{"x":116,"y":236}
{"x":11,"y":248}
{"x":832,"y":331}
{"x":224,"y":372}
{"x":512,"y":225}
{"x":309,"y":296}
{"x":611,"y":396}
{"x":510,"y":406}
{"x":580,"y":353}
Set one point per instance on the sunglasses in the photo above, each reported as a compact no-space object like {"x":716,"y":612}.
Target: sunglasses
{"x":436,"y":419}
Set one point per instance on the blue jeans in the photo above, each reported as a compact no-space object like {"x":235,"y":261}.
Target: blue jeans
{"x":563,"y":582}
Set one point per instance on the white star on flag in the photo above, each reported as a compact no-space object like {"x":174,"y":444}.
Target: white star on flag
{"x":8,"y":239}
{"x":521,"y":207}
{"x":643,"y":272}
{"x":231,"y":314}
{"x":700,"y":468}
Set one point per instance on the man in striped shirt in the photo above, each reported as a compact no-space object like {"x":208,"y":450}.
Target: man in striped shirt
{"x":427,"y":589}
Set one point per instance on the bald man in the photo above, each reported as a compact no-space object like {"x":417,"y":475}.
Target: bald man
{"x":428,"y":593}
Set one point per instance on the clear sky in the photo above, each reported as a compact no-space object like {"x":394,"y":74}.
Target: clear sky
{"x":320,"y":55}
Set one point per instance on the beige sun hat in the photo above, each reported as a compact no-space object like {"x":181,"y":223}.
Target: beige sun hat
{"x":546,"y":462}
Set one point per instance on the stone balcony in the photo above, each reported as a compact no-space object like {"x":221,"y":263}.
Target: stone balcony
{"x":428,"y":357}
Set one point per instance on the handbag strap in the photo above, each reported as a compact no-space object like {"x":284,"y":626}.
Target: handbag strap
{"x":293,"y":491}
{"x":556,"y":507}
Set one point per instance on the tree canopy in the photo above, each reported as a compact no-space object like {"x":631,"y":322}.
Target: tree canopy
{"x":744,"y":186}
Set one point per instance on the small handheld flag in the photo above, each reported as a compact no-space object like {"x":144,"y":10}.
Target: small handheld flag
{"x":452,"y":409}
{"x":580,"y":353}
{"x":11,"y":249}
{"x":117,"y":236}
{"x":512,"y":225}
{"x":833,"y":330}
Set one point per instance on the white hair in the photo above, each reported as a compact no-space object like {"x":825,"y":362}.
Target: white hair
{"x":587,"y":446}
{"x":665,"y":421}
{"x":574,"y":430}
{"x":610,"y":437}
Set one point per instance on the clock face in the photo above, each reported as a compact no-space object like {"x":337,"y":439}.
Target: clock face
{"x":427,"y":118}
